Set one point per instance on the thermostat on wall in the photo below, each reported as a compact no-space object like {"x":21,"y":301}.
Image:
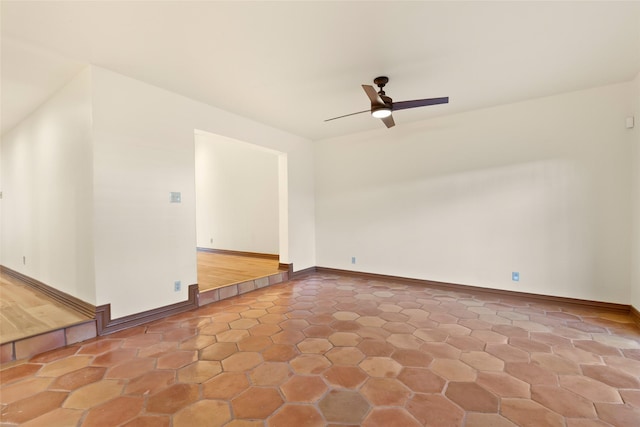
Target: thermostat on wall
{"x":630,"y":123}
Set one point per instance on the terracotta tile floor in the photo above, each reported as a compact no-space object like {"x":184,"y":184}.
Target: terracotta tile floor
{"x":329,"y":350}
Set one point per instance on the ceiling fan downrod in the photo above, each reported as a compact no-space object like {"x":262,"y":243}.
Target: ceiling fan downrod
{"x":381,"y":82}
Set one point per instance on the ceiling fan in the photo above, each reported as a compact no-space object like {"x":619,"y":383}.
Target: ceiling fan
{"x":382,"y":106}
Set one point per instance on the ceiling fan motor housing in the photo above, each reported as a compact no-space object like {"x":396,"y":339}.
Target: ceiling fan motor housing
{"x":380,"y":110}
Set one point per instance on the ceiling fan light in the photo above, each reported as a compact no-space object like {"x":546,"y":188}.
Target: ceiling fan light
{"x":381,"y":112}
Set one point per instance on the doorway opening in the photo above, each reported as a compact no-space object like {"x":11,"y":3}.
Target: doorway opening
{"x":241,"y":207}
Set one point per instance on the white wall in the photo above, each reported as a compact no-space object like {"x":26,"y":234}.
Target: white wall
{"x":1,"y":205}
{"x":635,"y":254}
{"x":47,"y":192}
{"x":144,"y":149}
{"x":236,"y":195}
{"x":540,"y":187}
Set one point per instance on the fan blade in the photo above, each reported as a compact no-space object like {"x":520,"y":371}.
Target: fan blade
{"x":403,"y":105}
{"x":373,"y":95}
{"x":347,"y":115}
{"x":388,"y":121}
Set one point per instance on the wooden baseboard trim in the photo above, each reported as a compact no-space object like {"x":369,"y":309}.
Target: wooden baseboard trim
{"x":275,"y":257}
{"x":286,"y":267}
{"x":304,"y":272}
{"x":635,"y":315}
{"x":609,"y":306}
{"x":106,"y":325}
{"x":77,"y":304}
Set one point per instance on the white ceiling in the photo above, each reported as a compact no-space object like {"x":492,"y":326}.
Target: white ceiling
{"x":293,"y":64}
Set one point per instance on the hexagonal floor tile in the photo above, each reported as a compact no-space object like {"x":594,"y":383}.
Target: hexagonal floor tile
{"x":314,"y":345}
{"x":270,"y":374}
{"x":345,"y":339}
{"x":176,"y":359}
{"x":94,"y":394}
{"x":345,"y":376}
{"x":434,"y":410}
{"x":114,"y":412}
{"x":390,"y":417}
{"x":380,"y":367}
{"x":482,"y":361}
{"x":406,"y":341}
{"x":591,"y":389}
{"x":531,"y":373}
{"x":370,"y":321}
{"x":150,"y":383}
{"x":232,"y":335}
{"x":412,"y":358}
{"x":453,"y":370}
{"x":296,"y":415}
{"x":225,"y":385}
{"x":243,"y":324}
{"x":307,"y":364}
{"x":256,"y":402}
{"x":294,"y":324}
{"x":26,"y":409}
{"x":563,"y":401}
{"x":385,"y":392}
{"x":471,"y":397}
{"x":253,"y":313}
{"x":345,"y":315}
{"x":373,"y":347}
{"x":149,"y":421}
{"x":203,"y":412}
{"x":254,"y":343}
{"x":279,"y":353}
{"x":78,"y":378}
{"x":242,"y":361}
{"x":303,"y":389}
{"x":343,"y":406}
{"x":345,"y":355}
{"x":422,"y":380}
{"x":218,"y":351}
{"x":173,"y":398}
{"x":503,"y":384}
{"x":264,"y":329}
{"x":618,"y":415}
{"x":291,"y":337}
{"x":528,"y":412}
{"x":199,"y":372}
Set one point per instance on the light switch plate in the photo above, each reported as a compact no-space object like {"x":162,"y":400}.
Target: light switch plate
{"x":175,"y":197}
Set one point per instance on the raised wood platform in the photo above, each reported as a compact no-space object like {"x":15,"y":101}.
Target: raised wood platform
{"x":26,"y":311}
{"x":33,"y":322}
{"x":218,"y":269}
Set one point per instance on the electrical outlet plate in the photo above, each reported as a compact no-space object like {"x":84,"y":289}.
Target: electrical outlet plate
{"x":515,"y":276}
{"x":353,"y":260}
{"x":177,"y":285}
{"x":630,"y":122}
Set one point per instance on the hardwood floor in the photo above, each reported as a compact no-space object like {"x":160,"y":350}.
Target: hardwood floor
{"x":216,"y":270}
{"x":25,"y":311}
